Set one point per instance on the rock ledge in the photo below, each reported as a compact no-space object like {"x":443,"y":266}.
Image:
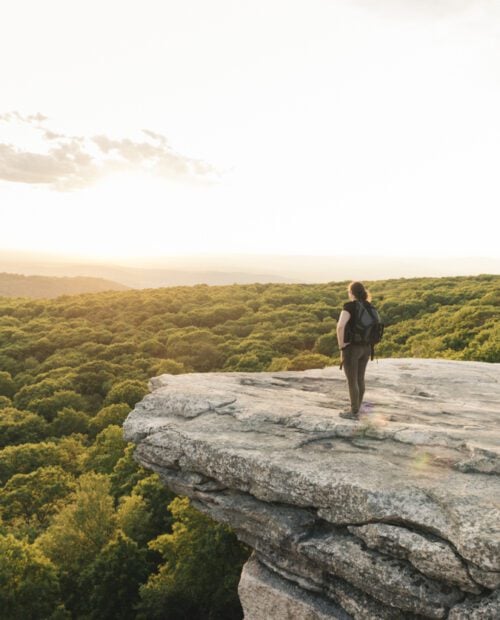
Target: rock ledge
{"x":395,"y":516}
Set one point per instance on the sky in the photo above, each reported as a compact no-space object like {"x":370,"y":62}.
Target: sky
{"x":312,"y":127}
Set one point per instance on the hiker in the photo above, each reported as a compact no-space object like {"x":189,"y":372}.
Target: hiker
{"x":356,"y":343}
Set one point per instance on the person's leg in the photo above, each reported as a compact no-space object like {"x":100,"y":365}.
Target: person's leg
{"x":351,"y":372}
{"x":362,"y":363}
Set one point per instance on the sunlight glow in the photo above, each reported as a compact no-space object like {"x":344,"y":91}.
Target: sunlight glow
{"x":348,"y":111}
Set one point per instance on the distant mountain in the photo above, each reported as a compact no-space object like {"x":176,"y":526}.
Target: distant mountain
{"x":170,"y":273}
{"x":334,"y":268}
{"x":18,"y":285}
{"x":223,"y":269}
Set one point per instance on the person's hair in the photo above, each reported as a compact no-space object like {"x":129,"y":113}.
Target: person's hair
{"x":359,"y":291}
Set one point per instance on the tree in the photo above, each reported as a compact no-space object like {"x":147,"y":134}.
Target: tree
{"x":37,"y":389}
{"x":111,"y":583}
{"x":49,"y":406}
{"x":5,"y":402}
{"x":69,"y":421}
{"x":38,"y":494}
{"x":96,"y":377}
{"x":152,"y":347}
{"x":67,"y":453}
{"x":326,"y":344}
{"x":29,"y":588}
{"x":17,"y":427}
{"x":157,"y":498}
{"x":202,"y":568}
{"x":7,"y":385}
{"x":167,"y":366}
{"x":82,"y":527}
{"x":126,"y":473}
{"x":306,"y":360}
{"x":134,"y":519}
{"x":279,"y":363}
{"x":248,"y":362}
{"x":112,"y":414}
{"x":9,"y":363}
{"x":196,"y":348}
{"x":108,"y":448}
{"x":287,"y":342}
{"x":130,"y":391}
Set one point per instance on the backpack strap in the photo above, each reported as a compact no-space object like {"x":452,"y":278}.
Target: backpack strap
{"x":369,"y":309}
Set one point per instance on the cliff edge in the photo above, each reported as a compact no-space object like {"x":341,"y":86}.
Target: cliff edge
{"x":394,"y":516}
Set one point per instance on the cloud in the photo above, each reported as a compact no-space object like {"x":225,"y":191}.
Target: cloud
{"x":17,"y":116}
{"x":157,"y":156}
{"x":155,"y":136}
{"x":64,"y":167}
{"x":67,"y":163}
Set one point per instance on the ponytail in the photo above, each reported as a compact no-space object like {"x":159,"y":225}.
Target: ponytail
{"x":359,"y":291}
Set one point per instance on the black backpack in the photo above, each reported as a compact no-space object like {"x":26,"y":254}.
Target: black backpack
{"x":367,"y":328}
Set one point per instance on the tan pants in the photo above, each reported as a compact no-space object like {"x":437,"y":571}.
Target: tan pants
{"x":356,"y":357}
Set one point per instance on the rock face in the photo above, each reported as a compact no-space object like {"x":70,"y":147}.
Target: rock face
{"x":393,"y":516}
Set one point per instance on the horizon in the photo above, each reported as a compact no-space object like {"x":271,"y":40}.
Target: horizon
{"x":220,"y":268}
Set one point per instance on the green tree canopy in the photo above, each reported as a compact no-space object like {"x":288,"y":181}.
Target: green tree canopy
{"x":110,"y":585}
{"x":17,"y":427}
{"x":112,"y":414}
{"x":108,"y":448}
{"x":37,"y":495}
{"x":202,"y":566}
{"x":134,"y":519}
{"x":82,"y":527}
{"x":29,"y":588}
{"x":68,"y":421}
{"x":25,"y":458}
{"x":303,"y":361}
{"x":130,"y":392}
{"x":7,"y":385}
{"x":50,"y":406}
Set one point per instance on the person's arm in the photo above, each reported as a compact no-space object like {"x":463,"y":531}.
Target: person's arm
{"x":342,"y":322}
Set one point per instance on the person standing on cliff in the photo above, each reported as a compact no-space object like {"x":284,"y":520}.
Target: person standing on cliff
{"x":354,"y":356}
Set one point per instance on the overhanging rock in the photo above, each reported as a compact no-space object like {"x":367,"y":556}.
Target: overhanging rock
{"x":394,"y":516}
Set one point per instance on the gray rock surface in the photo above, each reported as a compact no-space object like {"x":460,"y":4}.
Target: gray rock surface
{"x":393,"y":516}
{"x":264,"y":594}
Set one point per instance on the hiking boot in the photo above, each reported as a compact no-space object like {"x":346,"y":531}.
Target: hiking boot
{"x":349,"y":414}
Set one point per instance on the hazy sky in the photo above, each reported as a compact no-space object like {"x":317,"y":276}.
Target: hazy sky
{"x":273,"y":126}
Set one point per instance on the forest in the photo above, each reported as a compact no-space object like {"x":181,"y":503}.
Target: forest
{"x":85,"y":533}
